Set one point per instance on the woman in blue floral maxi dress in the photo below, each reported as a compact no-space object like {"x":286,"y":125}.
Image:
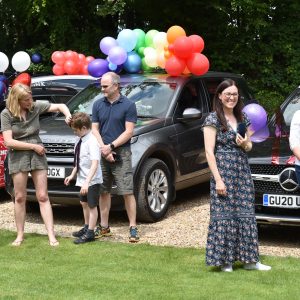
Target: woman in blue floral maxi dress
{"x":232,"y":233}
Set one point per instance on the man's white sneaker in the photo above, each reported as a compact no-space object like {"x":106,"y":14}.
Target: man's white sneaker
{"x":226,"y":268}
{"x":258,"y":266}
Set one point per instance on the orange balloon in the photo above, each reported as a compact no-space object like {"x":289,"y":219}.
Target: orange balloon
{"x":174,"y":32}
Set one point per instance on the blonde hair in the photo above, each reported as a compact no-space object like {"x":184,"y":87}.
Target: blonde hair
{"x":18,"y":92}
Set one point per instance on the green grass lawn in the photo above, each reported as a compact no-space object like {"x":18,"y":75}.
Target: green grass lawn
{"x":109,"y":270}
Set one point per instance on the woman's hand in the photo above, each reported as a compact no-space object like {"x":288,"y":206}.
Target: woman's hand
{"x":68,"y":119}
{"x":39,"y":149}
{"x":221,"y":188}
{"x":242,"y":142}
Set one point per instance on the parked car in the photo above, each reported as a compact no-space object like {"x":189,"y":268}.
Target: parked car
{"x":167,"y":145}
{"x":272,"y":167}
{"x":54,"y":89}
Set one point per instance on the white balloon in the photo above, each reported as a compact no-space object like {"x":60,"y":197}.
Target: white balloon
{"x":20,"y":61}
{"x":4,"y":62}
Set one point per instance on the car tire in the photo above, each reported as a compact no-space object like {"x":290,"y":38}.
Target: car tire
{"x":154,"y":190}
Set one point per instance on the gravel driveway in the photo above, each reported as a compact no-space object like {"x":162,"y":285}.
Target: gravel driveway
{"x":185,"y":225}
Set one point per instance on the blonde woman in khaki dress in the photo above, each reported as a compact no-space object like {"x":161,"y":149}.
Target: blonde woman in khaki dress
{"x":20,"y":126}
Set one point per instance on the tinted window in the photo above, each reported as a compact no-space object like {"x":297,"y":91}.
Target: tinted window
{"x":151,"y":98}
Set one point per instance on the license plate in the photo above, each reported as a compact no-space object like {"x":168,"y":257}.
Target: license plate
{"x":285,"y":201}
{"x":56,"y":172}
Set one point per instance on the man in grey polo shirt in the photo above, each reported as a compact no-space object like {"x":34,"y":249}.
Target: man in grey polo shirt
{"x":113,"y":120}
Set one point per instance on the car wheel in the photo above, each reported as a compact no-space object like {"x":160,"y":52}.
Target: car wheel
{"x":154,"y":190}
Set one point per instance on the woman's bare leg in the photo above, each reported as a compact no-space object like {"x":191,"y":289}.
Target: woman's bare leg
{"x":40,"y":182}
{"x":20,"y":183}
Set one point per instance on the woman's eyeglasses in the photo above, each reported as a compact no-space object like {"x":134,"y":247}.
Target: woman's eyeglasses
{"x":228,"y":95}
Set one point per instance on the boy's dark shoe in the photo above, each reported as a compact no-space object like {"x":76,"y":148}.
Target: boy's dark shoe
{"x":87,"y":237}
{"x":102,"y":232}
{"x":133,"y":234}
{"x":80,"y":232}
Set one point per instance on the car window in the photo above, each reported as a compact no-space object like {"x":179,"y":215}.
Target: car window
{"x":189,"y":97}
{"x":151,"y":98}
{"x":293,"y":105}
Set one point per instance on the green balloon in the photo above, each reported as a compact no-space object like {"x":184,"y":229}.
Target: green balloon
{"x":149,"y":37}
{"x":141,"y":51}
{"x":140,"y":38}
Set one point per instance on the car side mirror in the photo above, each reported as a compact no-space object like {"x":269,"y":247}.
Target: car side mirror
{"x":190,"y":114}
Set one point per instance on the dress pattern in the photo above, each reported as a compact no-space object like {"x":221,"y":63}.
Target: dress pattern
{"x":232,"y":232}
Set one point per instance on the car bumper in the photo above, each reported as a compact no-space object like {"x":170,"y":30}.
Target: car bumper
{"x":277,"y":219}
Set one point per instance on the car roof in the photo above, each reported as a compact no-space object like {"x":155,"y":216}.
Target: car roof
{"x":127,"y":78}
{"x":77,"y":82}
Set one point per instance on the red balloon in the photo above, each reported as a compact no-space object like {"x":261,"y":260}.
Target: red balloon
{"x":175,"y":66}
{"x":183,"y":47}
{"x":58,"y":57}
{"x":24,"y":78}
{"x":198,"y":42}
{"x":71,"y":55}
{"x":71,"y":67}
{"x":58,"y":70}
{"x":198,"y":64}
{"x":84,"y":69}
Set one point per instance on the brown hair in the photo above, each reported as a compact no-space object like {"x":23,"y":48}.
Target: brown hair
{"x":81,"y":119}
{"x":218,"y":106}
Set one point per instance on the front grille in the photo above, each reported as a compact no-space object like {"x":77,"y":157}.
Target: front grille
{"x":267,"y":169}
{"x":269,"y":187}
{"x":61,"y":148}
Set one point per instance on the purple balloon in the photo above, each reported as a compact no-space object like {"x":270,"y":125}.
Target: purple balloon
{"x":98,"y":67}
{"x":260,"y":135}
{"x":133,"y":63}
{"x":257,"y":116}
{"x":107,"y":43}
{"x":117,"y":55}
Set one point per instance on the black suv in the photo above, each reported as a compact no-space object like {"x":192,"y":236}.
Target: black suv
{"x":273,"y":172}
{"x":167,"y":145}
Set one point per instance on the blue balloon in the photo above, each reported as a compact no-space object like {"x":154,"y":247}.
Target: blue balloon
{"x":36,"y":58}
{"x":4,"y":79}
{"x":98,"y":67}
{"x":133,"y":63}
{"x":3,"y":88}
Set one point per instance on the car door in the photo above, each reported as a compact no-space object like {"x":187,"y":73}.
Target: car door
{"x":190,"y":147}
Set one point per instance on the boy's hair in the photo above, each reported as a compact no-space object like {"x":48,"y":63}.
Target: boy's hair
{"x":81,"y":119}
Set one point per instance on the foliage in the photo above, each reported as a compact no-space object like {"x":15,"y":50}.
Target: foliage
{"x":111,"y":270}
{"x":256,"y":38}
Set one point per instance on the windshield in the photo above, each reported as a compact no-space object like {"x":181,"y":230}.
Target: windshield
{"x":152,"y":99}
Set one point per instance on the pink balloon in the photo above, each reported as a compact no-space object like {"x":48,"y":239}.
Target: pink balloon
{"x":198,"y":42}
{"x":183,"y":47}
{"x":175,"y":66}
{"x":58,"y":57}
{"x":198,"y":64}
{"x":70,"y":67}
{"x":58,"y":69}
{"x":88,"y":59}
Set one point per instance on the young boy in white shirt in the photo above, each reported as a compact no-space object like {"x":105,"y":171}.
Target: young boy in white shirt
{"x":89,"y":175}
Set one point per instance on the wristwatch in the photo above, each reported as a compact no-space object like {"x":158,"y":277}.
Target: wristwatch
{"x":112,"y":146}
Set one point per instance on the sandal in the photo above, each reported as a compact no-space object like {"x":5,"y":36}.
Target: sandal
{"x":54,"y":243}
{"x":17,"y":243}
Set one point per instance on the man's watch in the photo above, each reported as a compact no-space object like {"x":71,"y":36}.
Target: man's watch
{"x":112,"y":146}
